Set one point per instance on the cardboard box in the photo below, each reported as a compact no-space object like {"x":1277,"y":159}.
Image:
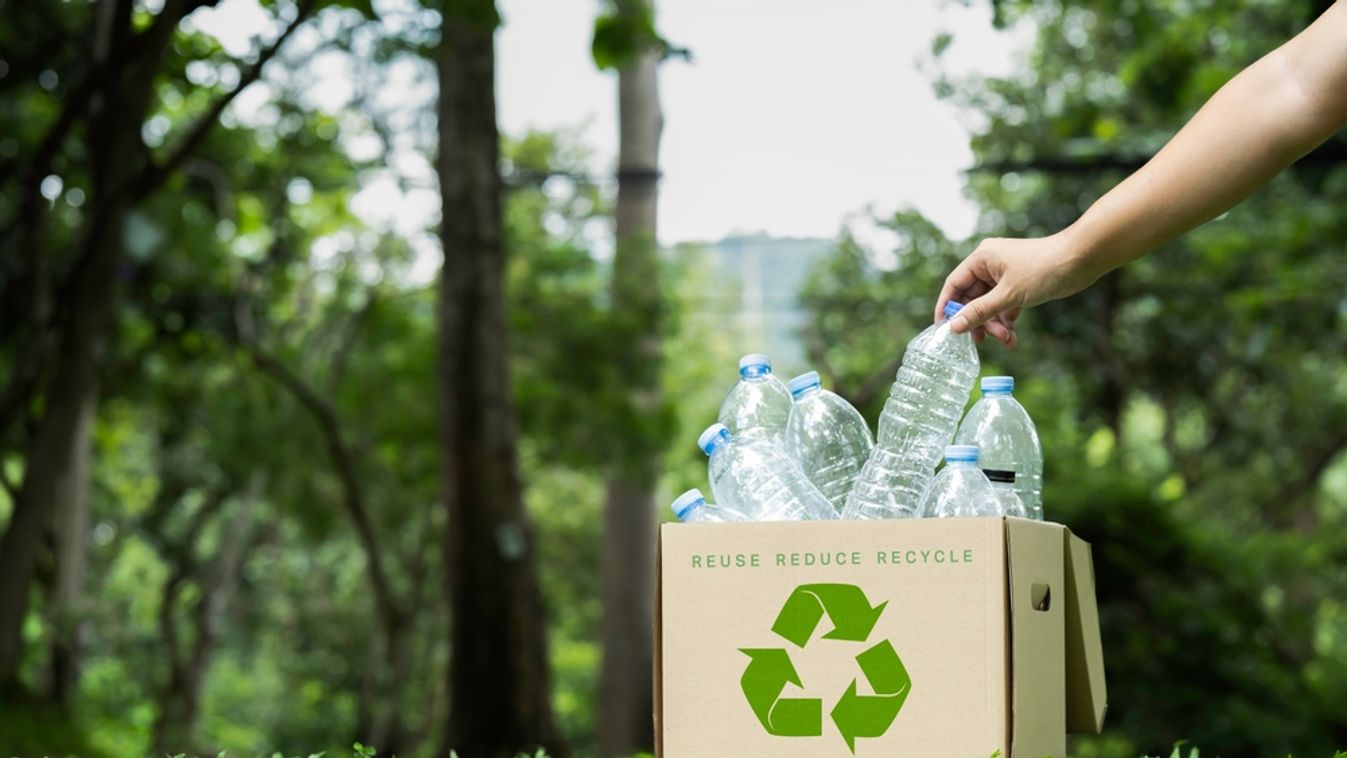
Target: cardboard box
{"x":930,"y":637}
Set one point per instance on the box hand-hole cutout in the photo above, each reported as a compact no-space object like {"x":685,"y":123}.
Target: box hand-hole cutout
{"x":1040,"y":595}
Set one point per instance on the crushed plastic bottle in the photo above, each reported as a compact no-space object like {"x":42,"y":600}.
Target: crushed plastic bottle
{"x":919,"y":420}
{"x":1008,"y":441}
{"x":691,"y":507}
{"x":961,"y":490}
{"x":758,"y":405}
{"x":758,"y":479}
{"x":827,"y":437}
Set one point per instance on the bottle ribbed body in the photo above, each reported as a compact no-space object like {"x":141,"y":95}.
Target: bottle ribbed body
{"x":758,"y":479}
{"x":919,"y":419}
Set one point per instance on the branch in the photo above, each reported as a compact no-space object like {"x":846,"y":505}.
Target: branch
{"x":218,"y":497}
{"x":217,"y":583}
{"x":818,"y":354}
{"x":154,"y":174}
{"x":868,"y":390}
{"x":179,"y":552}
{"x":1056,"y":164}
{"x":184,"y":566}
{"x":10,"y":488}
{"x":347,"y":344}
{"x":1331,"y":153}
{"x":1304,"y":485}
{"x":343,"y":460}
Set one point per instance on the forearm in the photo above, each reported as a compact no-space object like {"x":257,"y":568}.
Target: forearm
{"x":1259,"y":123}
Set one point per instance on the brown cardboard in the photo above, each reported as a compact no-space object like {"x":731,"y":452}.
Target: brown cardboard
{"x":1038,"y":673}
{"x":1086,"y":691}
{"x":938,"y":624}
{"x":656,"y":660}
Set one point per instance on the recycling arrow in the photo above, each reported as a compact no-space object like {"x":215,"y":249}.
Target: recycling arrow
{"x":769,"y":671}
{"x":845,"y":604}
{"x":871,"y":715}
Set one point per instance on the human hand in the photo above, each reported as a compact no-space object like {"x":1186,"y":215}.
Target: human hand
{"x":1004,"y":276}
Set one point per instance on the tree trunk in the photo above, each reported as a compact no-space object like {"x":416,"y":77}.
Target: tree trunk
{"x":72,"y":529}
{"x":180,"y":700}
{"x":499,"y":680}
{"x":380,"y":719}
{"x":628,"y":555}
{"x":115,"y":152}
{"x":49,"y":458}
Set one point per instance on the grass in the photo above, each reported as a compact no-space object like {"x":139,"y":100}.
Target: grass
{"x":359,"y":750}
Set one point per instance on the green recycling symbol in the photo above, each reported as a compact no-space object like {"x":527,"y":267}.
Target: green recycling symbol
{"x":770,"y":669}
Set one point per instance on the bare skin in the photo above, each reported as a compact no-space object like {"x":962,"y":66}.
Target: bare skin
{"x":1263,"y":120}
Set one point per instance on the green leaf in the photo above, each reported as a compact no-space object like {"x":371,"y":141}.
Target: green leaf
{"x":941,"y":43}
{"x":615,"y":40}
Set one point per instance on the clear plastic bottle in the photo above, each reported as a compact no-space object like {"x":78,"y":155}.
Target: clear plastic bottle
{"x":1003,"y":483}
{"x":1007,"y":439}
{"x":919,"y":419}
{"x":691,"y":507}
{"x":758,"y":405}
{"x":961,"y":490}
{"x":827,"y":437}
{"x":758,"y":479}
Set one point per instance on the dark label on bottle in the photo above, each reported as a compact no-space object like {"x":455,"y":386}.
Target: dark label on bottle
{"x":997,"y":475}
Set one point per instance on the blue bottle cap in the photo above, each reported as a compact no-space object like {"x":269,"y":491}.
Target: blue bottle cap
{"x":998,"y":385}
{"x":803,"y":383}
{"x":961,"y":453}
{"x":687,"y":501}
{"x":755,"y":360}
{"x":714,"y":435}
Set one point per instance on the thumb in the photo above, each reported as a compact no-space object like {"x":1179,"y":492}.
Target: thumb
{"x":980,"y":310}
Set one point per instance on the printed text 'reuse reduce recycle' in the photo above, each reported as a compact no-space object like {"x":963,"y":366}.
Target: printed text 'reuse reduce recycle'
{"x":900,"y":557}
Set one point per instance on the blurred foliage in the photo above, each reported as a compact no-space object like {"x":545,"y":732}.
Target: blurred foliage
{"x":623,"y":29}
{"x":254,"y":248}
{"x":1191,"y":406}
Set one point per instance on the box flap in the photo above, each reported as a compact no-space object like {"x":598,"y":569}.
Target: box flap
{"x":1034,"y":559}
{"x":657,"y":659}
{"x":1086,"y":692}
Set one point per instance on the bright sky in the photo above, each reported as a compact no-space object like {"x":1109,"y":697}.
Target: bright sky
{"x":791,"y":116}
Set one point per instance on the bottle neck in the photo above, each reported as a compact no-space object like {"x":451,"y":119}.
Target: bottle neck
{"x":807,"y":391}
{"x":689,"y":510}
{"x":754,"y":372}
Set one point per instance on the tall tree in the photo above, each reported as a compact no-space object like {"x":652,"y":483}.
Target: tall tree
{"x":71,"y":533}
{"x":116,"y":111}
{"x":499,"y":681}
{"x":627,"y":38}
{"x":111,"y":103}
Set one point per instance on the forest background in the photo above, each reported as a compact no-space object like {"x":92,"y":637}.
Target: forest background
{"x":276,"y":475}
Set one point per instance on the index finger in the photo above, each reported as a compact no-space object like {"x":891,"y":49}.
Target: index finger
{"x":959,"y":284}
